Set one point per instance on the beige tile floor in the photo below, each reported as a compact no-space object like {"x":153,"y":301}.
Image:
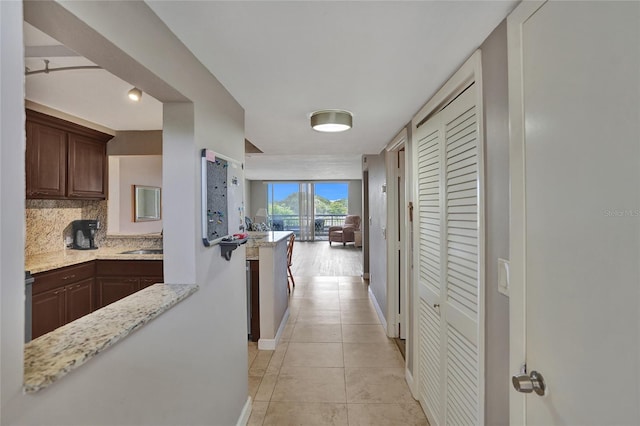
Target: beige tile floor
{"x":334,"y":364}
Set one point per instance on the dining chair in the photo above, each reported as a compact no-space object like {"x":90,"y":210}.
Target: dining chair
{"x":290,"y":282}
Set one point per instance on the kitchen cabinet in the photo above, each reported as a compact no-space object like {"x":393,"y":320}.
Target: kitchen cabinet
{"x":254,"y":297}
{"x":65,"y":294}
{"x":120,"y":278}
{"x":116,"y":288}
{"x":64,"y":160}
{"x":61,"y":296}
{"x":46,"y":161}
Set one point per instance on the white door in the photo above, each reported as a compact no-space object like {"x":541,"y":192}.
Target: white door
{"x":448,"y":264}
{"x":428,"y":268}
{"x":575,"y":236}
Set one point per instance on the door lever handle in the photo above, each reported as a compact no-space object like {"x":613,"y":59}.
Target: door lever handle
{"x":529,"y":383}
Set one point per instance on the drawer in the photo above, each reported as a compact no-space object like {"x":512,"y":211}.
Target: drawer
{"x":134,"y":268}
{"x":49,"y":280}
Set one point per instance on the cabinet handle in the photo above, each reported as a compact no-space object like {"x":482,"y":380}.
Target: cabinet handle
{"x":68,"y":277}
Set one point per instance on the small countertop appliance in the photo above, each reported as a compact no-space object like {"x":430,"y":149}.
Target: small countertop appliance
{"x":84,"y":232}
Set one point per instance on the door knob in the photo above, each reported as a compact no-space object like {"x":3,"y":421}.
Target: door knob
{"x":529,"y":383}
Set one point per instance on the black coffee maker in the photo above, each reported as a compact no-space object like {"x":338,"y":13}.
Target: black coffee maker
{"x":84,"y":233}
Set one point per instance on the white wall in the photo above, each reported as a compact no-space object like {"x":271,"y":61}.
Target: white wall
{"x":377,"y":228}
{"x":496,"y":116}
{"x":124,"y":172}
{"x":247,"y":197}
{"x":189,"y":366}
{"x":12,"y":204}
{"x":354,"y":203}
{"x":258,"y":197}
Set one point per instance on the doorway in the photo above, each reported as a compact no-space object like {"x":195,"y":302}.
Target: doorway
{"x":397,"y":249}
{"x":308,"y":209}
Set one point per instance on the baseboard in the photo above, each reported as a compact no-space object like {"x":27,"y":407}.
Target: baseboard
{"x":409,"y":378}
{"x":245,"y":414}
{"x":270,"y":344}
{"x":378,"y":310}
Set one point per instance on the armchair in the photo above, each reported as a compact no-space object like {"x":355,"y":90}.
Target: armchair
{"x":346,"y":233}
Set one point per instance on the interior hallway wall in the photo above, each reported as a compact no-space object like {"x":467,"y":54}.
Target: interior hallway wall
{"x":496,"y":117}
{"x":355,"y":197}
{"x":184,"y":367}
{"x":12,"y":202}
{"x":377,"y":229}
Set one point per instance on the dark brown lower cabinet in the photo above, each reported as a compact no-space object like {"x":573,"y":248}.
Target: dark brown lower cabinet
{"x":66,"y":294}
{"x":79,"y":299}
{"x":61,"y":296}
{"x":254,"y":271}
{"x":120,"y":278}
{"x":113,"y":289}
{"x":48,"y":312}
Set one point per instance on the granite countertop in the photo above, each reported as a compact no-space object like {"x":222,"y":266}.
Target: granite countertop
{"x":53,"y":355}
{"x":59,"y":259}
{"x":152,"y":236}
{"x":266,"y":239}
{"x":263,"y":239}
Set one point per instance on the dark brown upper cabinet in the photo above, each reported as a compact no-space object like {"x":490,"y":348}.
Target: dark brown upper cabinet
{"x":64,"y":160}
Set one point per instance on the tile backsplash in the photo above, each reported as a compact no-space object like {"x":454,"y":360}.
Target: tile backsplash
{"x":48,"y":222}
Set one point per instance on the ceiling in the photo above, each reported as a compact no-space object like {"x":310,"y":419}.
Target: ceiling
{"x":282,"y":60}
{"x":94,"y":95}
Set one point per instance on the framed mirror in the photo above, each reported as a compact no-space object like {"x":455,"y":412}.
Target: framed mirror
{"x":146,"y":203}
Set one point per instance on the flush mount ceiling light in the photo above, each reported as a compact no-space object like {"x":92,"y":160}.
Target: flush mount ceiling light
{"x":135,"y":94}
{"x":331,"y":120}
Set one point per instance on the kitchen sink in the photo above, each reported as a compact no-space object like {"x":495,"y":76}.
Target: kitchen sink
{"x":143,"y":251}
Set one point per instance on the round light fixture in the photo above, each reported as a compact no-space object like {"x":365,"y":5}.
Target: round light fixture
{"x":135,"y":94}
{"x":331,"y":120}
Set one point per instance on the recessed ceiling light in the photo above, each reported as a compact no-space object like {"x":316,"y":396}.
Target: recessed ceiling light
{"x":331,"y":120}
{"x":135,"y":94}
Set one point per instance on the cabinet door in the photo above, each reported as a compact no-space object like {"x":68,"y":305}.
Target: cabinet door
{"x":149,"y":281}
{"x":46,"y":161}
{"x":115,"y":288}
{"x":87,"y":168}
{"x":254,"y":271}
{"x":48,"y":311}
{"x":79,"y":299}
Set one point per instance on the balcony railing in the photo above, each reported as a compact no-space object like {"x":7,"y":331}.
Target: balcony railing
{"x":321,"y":224}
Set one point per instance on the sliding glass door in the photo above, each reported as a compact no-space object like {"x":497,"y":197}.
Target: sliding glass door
{"x":307,"y":208}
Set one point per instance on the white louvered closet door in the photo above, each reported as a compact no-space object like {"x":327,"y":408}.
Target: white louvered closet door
{"x":450,"y":384}
{"x":429,"y":159}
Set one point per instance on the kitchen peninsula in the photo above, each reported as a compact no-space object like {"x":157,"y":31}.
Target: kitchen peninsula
{"x":267,"y":258}
{"x":90,"y":331}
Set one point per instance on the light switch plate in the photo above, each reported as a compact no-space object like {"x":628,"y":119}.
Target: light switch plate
{"x":503,"y":276}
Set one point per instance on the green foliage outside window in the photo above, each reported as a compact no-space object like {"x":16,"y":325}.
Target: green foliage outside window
{"x":290,"y":206}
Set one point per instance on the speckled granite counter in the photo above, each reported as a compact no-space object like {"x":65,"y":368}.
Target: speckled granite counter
{"x":52,"y":356}
{"x":263,"y":239}
{"x":59,"y":259}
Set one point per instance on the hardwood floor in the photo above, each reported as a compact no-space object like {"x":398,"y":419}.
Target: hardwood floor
{"x":319,"y":259}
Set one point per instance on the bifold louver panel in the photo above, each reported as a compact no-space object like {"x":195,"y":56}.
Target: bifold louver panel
{"x":430,"y":376}
{"x":462,"y":380}
{"x":448,"y":167}
{"x":429,"y":213}
{"x":462,"y":211}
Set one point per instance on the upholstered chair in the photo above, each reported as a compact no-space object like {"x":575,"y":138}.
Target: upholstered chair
{"x":346,"y":233}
